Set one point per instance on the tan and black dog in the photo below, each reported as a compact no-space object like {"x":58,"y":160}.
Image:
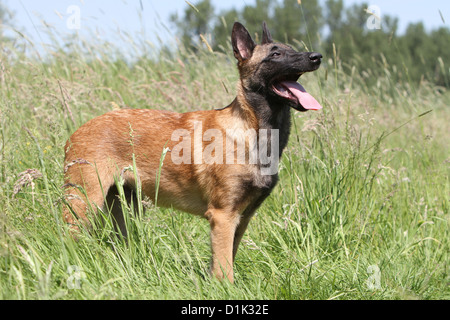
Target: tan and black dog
{"x":221,"y":164}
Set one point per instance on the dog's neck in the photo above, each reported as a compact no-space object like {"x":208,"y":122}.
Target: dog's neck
{"x":254,"y":107}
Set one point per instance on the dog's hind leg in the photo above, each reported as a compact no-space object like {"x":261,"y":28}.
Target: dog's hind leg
{"x":114,"y":206}
{"x":85,"y":190}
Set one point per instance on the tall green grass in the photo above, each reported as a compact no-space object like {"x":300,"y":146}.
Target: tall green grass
{"x":361,"y":210}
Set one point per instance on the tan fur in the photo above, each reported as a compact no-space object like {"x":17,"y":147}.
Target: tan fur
{"x":226,"y":191}
{"x":104,"y":147}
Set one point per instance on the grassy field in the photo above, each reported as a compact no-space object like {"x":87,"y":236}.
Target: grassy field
{"x":361,"y":210}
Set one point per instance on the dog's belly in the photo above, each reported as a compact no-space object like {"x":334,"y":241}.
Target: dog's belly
{"x":189,"y":202}
{"x":175,"y":191}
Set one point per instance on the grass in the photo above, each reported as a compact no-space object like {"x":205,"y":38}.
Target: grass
{"x":358,"y":214}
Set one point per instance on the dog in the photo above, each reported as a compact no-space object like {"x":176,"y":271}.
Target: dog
{"x":202,"y":173}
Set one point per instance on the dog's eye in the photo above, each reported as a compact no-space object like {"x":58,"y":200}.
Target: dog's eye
{"x":276,"y":54}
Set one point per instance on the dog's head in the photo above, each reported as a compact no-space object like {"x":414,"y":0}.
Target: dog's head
{"x":273,"y":69}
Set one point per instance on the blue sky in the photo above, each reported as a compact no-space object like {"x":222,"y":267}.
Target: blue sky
{"x":109,"y":18}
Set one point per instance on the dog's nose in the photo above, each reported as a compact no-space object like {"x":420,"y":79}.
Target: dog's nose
{"x":315,"y":57}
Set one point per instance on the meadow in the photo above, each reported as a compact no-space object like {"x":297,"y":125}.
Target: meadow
{"x":361,"y":210}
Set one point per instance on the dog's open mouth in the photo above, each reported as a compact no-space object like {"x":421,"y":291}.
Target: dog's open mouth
{"x":294,"y":91}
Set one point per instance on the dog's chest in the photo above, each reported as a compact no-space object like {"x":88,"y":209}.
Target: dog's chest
{"x":265,"y":183}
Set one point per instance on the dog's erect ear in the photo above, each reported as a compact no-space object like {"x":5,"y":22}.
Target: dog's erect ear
{"x":243,"y":44}
{"x":266,"y":37}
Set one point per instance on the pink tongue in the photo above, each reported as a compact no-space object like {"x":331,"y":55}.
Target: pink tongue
{"x":307,"y":101}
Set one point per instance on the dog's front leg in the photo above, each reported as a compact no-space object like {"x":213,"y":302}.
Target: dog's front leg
{"x":240,"y":230}
{"x":223,"y":227}
{"x":246,"y":216}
